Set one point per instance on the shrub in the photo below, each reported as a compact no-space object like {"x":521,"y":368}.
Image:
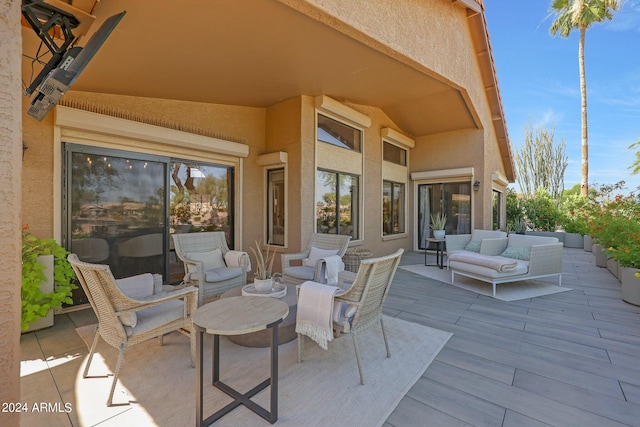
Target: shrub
{"x":35,"y":303}
{"x":541,"y":211}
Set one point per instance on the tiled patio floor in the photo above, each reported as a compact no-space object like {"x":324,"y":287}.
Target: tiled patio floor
{"x":568,"y":359}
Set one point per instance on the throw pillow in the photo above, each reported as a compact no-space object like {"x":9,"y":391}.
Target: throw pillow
{"x":136,"y":287}
{"x":473,"y":246}
{"x":316,"y":253}
{"x":517,"y":252}
{"x":211,"y":259}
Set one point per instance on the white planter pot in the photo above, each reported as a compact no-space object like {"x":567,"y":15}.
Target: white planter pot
{"x":601,"y":255}
{"x":630,"y":285}
{"x":438,"y":234}
{"x":263,"y":285}
{"x":46,"y":287}
{"x":588,"y":242}
{"x":573,"y":240}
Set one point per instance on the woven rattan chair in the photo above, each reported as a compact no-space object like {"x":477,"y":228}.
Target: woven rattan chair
{"x":366,"y":296}
{"x":124,"y":321}
{"x":228,"y":273}
{"x":296,"y":274}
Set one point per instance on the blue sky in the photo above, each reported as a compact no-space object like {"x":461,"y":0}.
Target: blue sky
{"x":539,"y":82}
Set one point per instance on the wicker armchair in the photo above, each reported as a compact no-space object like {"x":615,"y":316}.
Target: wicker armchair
{"x":366,"y":297}
{"x":127,"y":320}
{"x":296,"y":274}
{"x":213,"y":273}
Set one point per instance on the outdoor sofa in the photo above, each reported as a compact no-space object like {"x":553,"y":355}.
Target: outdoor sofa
{"x":511,"y":259}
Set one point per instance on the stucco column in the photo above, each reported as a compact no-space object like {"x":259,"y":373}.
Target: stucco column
{"x":10,"y":205}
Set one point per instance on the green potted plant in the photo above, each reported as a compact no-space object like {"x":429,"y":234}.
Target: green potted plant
{"x":438,"y":223}
{"x":38,"y":303}
{"x":264,"y":268}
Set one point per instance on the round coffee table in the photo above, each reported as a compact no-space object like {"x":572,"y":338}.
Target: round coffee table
{"x":286,"y":329}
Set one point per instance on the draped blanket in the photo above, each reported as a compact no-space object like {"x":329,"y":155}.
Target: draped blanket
{"x":315,"y":312}
{"x":334,"y":265}
{"x":498,"y":263}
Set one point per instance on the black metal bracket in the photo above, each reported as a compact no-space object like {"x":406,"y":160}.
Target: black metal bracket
{"x":43,"y":18}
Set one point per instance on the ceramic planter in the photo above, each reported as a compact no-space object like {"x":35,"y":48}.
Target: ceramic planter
{"x":601,"y":255}
{"x":573,"y":240}
{"x":630,"y":285}
{"x":438,"y":234}
{"x":588,"y":242}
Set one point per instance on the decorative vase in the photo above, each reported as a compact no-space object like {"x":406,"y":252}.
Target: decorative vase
{"x":601,"y":255}
{"x":588,"y":242}
{"x":263,"y":285}
{"x":630,"y":285}
{"x":438,"y":234}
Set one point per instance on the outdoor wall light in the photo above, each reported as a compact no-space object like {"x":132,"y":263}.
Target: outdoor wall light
{"x":476,"y":185}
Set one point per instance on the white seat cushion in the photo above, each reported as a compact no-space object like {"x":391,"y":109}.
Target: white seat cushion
{"x":153,"y":317}
{"x":521,"y":268}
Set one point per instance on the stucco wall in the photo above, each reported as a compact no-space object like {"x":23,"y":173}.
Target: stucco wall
{"x":10,"y":201}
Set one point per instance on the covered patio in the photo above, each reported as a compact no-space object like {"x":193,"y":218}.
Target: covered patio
{"x":567,"y":359}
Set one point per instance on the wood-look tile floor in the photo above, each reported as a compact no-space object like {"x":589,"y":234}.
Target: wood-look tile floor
{"x":568,"y":359}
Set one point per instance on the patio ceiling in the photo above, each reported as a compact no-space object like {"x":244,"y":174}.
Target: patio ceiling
{"x":257,"y":53}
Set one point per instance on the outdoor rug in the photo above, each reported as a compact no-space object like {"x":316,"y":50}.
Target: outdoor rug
{"x":513,"y":291}
{"x":324,"y":390}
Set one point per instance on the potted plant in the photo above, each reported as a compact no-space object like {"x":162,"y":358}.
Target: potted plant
{"x":264,"y":268}
{"x":38,"y":302}
{"x":438,"y":223}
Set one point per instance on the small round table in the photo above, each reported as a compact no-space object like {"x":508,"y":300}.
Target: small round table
{"x":286,"y":329}
{"x":236,"y":316}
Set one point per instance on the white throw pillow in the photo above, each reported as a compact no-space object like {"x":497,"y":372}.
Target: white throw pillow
{"x":211,"y":259}
{"x":136,"y":287}
{"x":316,"y":253}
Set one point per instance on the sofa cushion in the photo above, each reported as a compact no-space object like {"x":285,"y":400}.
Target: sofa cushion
{"x":473,"y":246}
{"x":524,"y":240}
{"x":487,"y":234}
{"x":522,"y":268}
{"x":517,"y":252}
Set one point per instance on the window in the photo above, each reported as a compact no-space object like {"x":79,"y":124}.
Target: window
{"x":276,"y":207}
{"x":496,"y":210}
{"x":337,"y":203}
{"x":336,"y":133}
{"x":200,"y":198}
{"x":392,"y":208}
{"x":394,"y":154}
{"x":451,"y":198}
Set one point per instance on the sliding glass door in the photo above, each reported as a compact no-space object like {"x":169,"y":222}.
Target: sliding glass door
{"x":451,"y":198}
{"x":121,"y":208}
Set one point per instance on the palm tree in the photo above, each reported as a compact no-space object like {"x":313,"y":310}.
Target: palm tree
{"x":580,"y":14}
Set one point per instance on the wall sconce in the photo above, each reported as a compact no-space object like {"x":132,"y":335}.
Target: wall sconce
{"x":476,"y":185}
